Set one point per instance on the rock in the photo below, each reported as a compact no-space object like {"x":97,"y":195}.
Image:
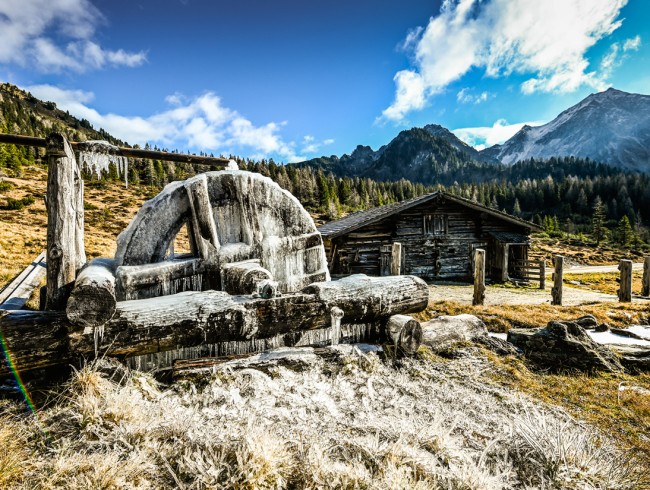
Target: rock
{"x":564,"y":345}
{"x":623,"y":332}
{"x":444,"y":331}
{"x":634,"y":358}
{"x":587,"y":321}
{"x":603,"y":327}
{"x":499,"y":346}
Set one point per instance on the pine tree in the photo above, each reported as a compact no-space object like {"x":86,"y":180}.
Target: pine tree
{"x":516,"y":209}
{"x":624,"y":231}
{"x":598,"y":221}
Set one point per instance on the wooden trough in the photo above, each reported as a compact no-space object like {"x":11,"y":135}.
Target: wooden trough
{"x":256,"y":278}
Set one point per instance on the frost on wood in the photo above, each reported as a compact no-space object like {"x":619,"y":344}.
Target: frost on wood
{"x":96,"y":156}
{"x":233,"y":216}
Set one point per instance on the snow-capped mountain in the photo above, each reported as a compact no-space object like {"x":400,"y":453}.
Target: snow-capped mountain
{"x":611,"y":127}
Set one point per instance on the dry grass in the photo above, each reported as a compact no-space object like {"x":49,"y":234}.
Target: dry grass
{"x":605,"y":282}
{"x":587,"y":254}
{"x":356,"y":423}
{"x":504,"y":317}
{"x":618,"y":404}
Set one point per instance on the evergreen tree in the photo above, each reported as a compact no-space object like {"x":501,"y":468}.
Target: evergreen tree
{"x":624,"y":231}
{"x":598,"y":229}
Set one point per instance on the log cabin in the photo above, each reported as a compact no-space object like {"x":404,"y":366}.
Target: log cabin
{"x":431,"y":236}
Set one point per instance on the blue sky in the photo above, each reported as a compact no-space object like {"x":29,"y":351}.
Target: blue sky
{"x":291,"y":80}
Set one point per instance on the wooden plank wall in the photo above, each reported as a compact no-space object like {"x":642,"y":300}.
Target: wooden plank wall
{"x":467,"y":229}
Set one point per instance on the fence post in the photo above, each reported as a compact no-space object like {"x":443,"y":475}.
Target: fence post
{"x":65,"y":221}
{"x":542,"y":274}
{"x":625,"y":289}
{"x":556,"y":291}
{"x":479,"y":277}
{"x":645,"y":288}
{"x":396,"y":259}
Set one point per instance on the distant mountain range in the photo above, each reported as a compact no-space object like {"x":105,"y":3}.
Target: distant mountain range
{"x":611,"y":127}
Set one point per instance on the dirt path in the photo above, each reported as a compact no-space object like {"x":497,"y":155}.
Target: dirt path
{"x":510,"y":295}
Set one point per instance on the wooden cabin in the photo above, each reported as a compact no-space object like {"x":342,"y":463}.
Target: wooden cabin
{"x":438,"y":234}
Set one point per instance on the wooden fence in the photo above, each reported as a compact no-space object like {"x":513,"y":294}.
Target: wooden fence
{"x":530,"y":270}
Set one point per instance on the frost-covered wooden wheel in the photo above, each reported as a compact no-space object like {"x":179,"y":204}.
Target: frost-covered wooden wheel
{"x":232,"y":216}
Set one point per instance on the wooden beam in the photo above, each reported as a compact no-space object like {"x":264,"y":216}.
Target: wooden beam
{"x":645,"y":287}
{"x":219,"y":162}
{"x":204,"y":228}
{"x":65,"y":251}
{"x":17,"y":292}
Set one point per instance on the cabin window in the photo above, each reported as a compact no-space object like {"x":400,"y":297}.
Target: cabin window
{"x":435,"y":224}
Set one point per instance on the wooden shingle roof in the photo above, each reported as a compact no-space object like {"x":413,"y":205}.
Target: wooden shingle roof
{"x":360,"y":219}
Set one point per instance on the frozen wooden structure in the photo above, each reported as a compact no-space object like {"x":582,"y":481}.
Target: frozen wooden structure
{"x":437,"y":235}
{"x":256,"y":277}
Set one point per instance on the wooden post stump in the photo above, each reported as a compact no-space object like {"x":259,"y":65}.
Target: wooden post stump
{"x":479,"y":277}
{"x":405,"y":332}
{"x":542,"y":274}
{"x":625,"y":286}
{"x":558,"y":277}
{"x":645,"y":287}
{"x":396,"y":259}
{"x":65,"y":245}
{"x":93,"y":299}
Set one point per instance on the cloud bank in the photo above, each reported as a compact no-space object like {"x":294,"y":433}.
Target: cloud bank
{"x":56,"y":35}
{"x":199,"y":123}
{"x":546,"y":40}
{"x":486,"y":136}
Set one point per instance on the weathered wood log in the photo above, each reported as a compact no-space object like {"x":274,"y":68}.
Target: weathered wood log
{"x":558,"y":278}
{"x":396,"y":259}
{"x":65,"y":252}
{"x":645,"y":286}
{"x":382,"y":296}
{"x":159,"y":279}
{"x":479,"y":277}
{"x":405,"y":333}
{"x":32,"y":340}
{"x":17,"y":292}
{"x":625,"y":285}
{"x":203,"y":226}
{"x":197,"y":318}
{"x":93,"y":298}
{"x":243,"y":277}
{"x":542,"y":274}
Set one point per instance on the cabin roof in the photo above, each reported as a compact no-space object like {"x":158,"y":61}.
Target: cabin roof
{"x":360,"y":219}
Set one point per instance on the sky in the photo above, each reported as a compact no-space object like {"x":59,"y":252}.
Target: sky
{"x":293,"y":80}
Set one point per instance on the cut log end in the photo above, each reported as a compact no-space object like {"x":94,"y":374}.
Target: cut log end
{"x":405,"y":332}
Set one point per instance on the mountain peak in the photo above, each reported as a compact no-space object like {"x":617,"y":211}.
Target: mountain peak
{"x":611,"y":127}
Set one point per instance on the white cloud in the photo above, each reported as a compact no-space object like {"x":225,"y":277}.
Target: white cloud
{"x":632,"y":44}
{"x":57,"y":35}
{"x":546,"y":40}
{"x":464,"y":96}
{"x":200,"y":123}
{"x":311,"y":146}
{"x":486,"y":136}
{"x":616,"y":55}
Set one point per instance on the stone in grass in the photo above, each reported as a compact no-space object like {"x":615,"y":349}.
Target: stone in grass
{"x":564,"y":346}
{"x":587,"y":321}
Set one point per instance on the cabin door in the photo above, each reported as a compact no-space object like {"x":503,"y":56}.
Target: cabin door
{"x":385,"y":260}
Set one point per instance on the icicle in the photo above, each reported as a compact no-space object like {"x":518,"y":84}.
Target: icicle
{"x":336,"y":314}
{"x":96,"y":157}
{"x":98,"y":334}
